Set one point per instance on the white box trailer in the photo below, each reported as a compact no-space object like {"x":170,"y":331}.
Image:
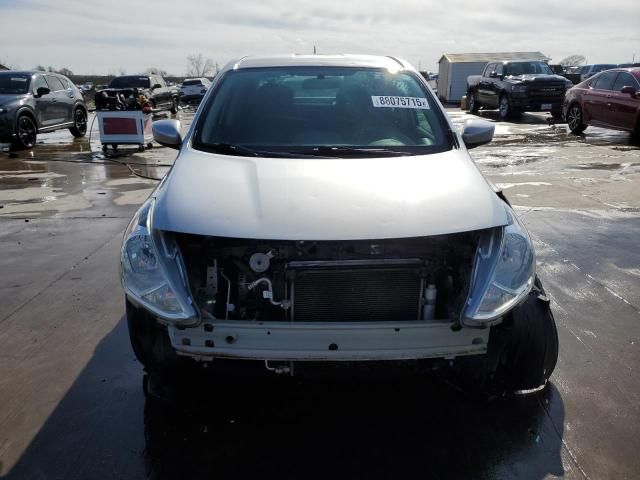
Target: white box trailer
{"x":454,"y":68}
{"x":123,"y":127}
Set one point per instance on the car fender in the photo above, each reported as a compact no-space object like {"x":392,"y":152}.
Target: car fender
{"x":80,"y":103}
{"x":25,"y":109}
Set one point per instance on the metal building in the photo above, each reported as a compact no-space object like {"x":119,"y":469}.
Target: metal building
{"x":454,"y":68}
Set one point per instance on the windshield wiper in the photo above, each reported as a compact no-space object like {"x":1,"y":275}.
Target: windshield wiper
{"x":240,"y":150}
{"x":230,"y":149}
{"x":360,"y":151}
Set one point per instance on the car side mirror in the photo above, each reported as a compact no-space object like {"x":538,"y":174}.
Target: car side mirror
{"x":42,"y":91}
{"x":477,"y":132}
{"x":629,"y":90}
{"x":493,"y":75}
{"x":167,"y":133}
{"x":157,"y":85}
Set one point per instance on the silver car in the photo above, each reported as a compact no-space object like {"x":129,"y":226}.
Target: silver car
{"x":323,"y":212}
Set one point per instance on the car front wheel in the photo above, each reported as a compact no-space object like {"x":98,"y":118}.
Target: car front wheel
{"x":79,"y":128}
{"x":472,"y":101}
{"x":26,"y":132}
{"x":522,"y":351}
{"x":574,"y":119}
{"x":504,"y":107}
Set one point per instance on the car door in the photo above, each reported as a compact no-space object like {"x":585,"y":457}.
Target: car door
{"x":495,"y":86}
{"x":67,"y":97}
{"x":485,"y":84}
{"x":58,"y":110}
{"x":44,"y":104}
{"x":595,"y":98}
{"x":622,"y":107}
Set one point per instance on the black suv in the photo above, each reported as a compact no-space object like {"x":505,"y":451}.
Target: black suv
{"x":518,"y":86}
{"x":37,"y":102}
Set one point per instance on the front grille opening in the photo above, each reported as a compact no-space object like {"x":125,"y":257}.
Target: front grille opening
{"x":328,"y":281}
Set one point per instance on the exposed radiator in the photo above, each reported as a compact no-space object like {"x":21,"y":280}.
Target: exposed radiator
{"x":357,"y":294}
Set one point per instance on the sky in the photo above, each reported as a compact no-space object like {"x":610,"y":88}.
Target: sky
{"x":111,"y":36}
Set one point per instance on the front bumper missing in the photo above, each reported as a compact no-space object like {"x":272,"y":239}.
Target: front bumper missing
{"x":288,"y":341}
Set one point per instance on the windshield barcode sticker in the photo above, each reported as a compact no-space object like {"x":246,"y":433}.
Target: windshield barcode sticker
{"x":399,"y":102}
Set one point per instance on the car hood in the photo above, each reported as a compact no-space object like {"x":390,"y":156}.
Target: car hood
{"x":537,"y":77}
{"x":6,"y":98}
{"x":325,"y":199}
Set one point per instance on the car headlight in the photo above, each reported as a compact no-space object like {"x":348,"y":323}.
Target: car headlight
{"x":151,"y":270}
{"x":519,"y":88}
{"x":2,"y":110}
{"x":504,"y":273}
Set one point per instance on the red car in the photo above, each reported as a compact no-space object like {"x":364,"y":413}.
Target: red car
{"x":610,"y":99}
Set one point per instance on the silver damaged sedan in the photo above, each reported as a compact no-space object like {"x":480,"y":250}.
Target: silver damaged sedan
{"x":323,"y":215}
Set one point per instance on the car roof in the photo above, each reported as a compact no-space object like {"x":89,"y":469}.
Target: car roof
{"x":31,"y":72}
{"x":635,"y":71}
{"x":343,"y":60}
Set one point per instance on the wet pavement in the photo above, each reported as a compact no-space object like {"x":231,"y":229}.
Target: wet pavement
{"x":70,"y":388}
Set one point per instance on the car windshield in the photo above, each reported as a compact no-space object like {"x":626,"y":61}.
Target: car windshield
{"x":14,"y":83}
{"x":132,"y":81}
{"x":325,"y":111}
{"x":189,"y":83}
{"x":527,"y":68}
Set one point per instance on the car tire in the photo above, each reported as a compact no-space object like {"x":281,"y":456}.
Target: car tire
{"x":575,"y":119}
{"x":522,"y":352}
{"x":504,"y":107}
{"x":150,"y":341}
{"x":174,"y":105}
{"x":472,"y":101}
{"x":79,"y":128}
{"x":26,"y":132}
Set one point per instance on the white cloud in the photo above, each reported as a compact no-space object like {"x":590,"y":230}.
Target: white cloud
{"x":94,"y":36}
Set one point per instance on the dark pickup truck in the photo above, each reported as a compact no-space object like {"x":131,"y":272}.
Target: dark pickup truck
{"x":153,"y":87}
{"x":516,"y":87}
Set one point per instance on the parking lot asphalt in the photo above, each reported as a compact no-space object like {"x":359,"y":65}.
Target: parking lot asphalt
{"x":70,"y":388}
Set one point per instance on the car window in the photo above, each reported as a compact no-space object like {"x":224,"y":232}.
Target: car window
{"x":605,"y":81}
{"x":130,"y":81}
{"x":299,"y":108}
{"x":498,"y":69}
{"x":490,"y":68}
{"x":14,"y":83}
{"x":40,"y":82}
{"x":188,"y":83}
{"x":54,"y":83}
{"x":624,"y":80}
{"x":64,"y":81}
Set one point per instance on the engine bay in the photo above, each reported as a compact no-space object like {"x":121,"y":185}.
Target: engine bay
{"x":336,"y":281}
